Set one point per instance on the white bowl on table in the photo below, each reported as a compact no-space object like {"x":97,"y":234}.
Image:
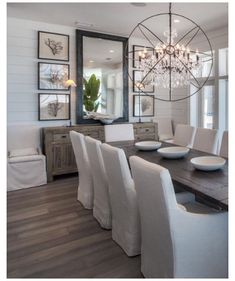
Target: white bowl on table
{"x":208,"y":163}
{"x":173,"y":152}
{"x":148,"y":145}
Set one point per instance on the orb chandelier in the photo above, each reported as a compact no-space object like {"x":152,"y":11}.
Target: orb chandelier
{"x":170,"y":60}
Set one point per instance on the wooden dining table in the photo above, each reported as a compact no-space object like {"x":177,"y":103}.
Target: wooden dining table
{"x":210,"y":186}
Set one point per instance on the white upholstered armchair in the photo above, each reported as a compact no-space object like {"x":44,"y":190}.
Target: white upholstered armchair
{"x":26,"y":166}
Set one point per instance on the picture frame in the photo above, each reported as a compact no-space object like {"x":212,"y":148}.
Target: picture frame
{"x":137,"y":78}
{"x":138,"y":48}
{"x":52,"y":107}
{"x":52,"y":76}
{"x":144,"y":104}
{"x":53,"y":46}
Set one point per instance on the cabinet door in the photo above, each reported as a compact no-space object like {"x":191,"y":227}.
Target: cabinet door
{"x":63,"y":159}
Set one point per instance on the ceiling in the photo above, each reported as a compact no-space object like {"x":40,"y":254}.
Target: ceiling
{"x":117,"y":18}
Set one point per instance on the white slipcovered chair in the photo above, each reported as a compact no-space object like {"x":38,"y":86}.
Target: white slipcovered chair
{"x":125,"y":217}
{"x":176,"y":243}
{"x":85,"y":186}
{"x":165,"y":131}
{"x":119,"y":132}
{"x":183,"y":136}
{"x":102,"y":207}
{"x":206,"y":140}
{"x":224,"y":145}
{"x":26,"y":166}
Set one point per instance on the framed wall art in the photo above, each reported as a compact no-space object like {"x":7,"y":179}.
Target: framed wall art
{"x":136,"y":49}
{"x":52,"y":76}
{"x":53,"y":46}
{"x":139,"y":86}
{"x":53,"y":107}
{"x":143,"y":105}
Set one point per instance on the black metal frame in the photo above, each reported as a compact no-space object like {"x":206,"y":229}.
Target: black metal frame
{"x":65,"y":35}
{"x":43,"y":89}
{"x":79,"y":91}
{"x":149,"y":49}
{"x":134,"y":83}
{"x":139,"y":97}
{"x":170,"y":26}
{"x":55,"y":94}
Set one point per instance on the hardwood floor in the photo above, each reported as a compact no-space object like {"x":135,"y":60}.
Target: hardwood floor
{"x":50,"y":235}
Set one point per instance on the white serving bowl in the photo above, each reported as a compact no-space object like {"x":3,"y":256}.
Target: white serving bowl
{"x":173,"y":152}
{"x":106,"y":121}
{"x":148,"y":145}
{"x":208,"y":163}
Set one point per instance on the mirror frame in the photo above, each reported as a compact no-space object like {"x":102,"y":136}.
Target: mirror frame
{"x":79,"y":91}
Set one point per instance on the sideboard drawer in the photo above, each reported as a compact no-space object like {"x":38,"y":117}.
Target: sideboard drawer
{"x":149,"y":130}
{"x":61,"y":137}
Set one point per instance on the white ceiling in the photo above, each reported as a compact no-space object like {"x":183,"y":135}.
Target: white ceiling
{"x":117,"y":18}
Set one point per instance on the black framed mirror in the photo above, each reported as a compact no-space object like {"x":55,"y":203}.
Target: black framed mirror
{"x":102,"y":65}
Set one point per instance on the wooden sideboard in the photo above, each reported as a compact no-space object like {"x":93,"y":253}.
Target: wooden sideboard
{"x":58,"y":148}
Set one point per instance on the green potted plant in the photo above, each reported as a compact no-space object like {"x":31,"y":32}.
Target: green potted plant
{"x":91,"y":93}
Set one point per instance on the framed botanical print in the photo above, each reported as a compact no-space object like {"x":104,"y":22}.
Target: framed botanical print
{"x":136,"y":50}
{"x":139,"y":85}
{"x":52,"y":76}
{"x":53,"y":107}
{"x":53,"y":46}
{"x":143,"y":105}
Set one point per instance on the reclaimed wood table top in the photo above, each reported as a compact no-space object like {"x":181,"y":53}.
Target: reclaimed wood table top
{"x":211,"y":185}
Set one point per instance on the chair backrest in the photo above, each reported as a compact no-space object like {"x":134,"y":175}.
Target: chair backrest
{"x":165,"y":131}
{"x":120,"y":182}
{"x":224,"y":145}
{"x":23,"y":136}
{"x":119,"y":132}
{"x":184,"y":135}
{"x":85,"y":188}
{"x":102,"y":208}
{"x":206,"y":140}
{"x":79,"y":148}
{"x":156,"y":202}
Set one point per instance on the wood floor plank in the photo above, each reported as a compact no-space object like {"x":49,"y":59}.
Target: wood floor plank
{"x":51,"y":235}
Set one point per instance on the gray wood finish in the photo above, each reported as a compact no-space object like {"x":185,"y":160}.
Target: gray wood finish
{"x":58,"y":147}
{"x":50,"y":235}
{"x":211,"y":186}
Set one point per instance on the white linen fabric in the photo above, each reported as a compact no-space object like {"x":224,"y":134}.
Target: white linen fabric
{"x":206,"y":140}
{"x":184,"y":135}
{"x":125,"y":217}
{"x":85,"y":186}
{"x":224,"y":145}
{"x":22,"y":152}
{"x":102,"y":207}
{"x":175,"y":242}
{"x":165,"y":131}
{"x":26,"y":166}
{"x":119,"y":132}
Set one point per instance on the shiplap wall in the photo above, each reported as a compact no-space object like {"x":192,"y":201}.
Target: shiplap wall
{"x":22,"y":73}
{"x":22,"y":70}
{"x":22,"y":96}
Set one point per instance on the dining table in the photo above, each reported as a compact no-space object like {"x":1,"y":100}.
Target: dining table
{"x":209,"y":186}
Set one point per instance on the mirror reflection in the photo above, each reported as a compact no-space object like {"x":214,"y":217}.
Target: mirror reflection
{"x":102,"y":77}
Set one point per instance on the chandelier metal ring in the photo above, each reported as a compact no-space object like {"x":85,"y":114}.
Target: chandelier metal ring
{"x":165,"y":58}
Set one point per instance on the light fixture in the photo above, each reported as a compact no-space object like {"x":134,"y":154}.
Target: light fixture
{"x":91,"y":61}
{"x":70,"y":84}
{"x":176,"y":20}
{"x":168,"y":60}
{"x":111,"y":51}
{"x":139,"y":4}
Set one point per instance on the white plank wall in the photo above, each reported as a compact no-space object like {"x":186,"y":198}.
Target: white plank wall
{"x":22,"y":75}
{"x":22,"y":70}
